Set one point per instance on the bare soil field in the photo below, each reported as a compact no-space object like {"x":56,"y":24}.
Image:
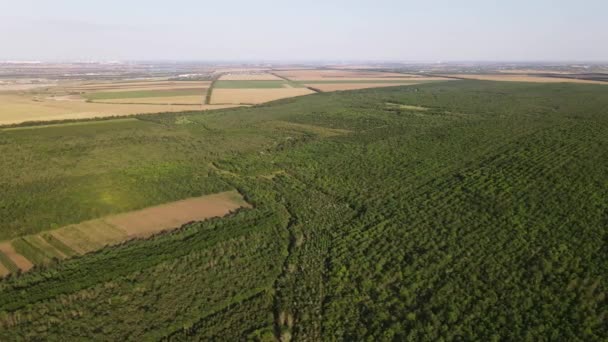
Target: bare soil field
{"x":249,"y":77}
{"x":520,"y":78}
{"x":95,"y":234}
{"x":149,"y":221}
{"x":7,"y":249}
{"x":255,"y":96}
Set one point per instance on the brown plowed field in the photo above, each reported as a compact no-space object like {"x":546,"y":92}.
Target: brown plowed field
{"x":149,"y":221}
{"x":7,"y":249}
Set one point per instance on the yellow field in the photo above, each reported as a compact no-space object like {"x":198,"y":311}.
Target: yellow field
{"x":249,"y":77}
{"x":169,"y":100}
{"x":66,"y":100}
{"x":308,"y":74}
{"x":255,"y":96}
{"x":95,"y":234}
{"x":141,"y":88}
{"x":139,"y":85}
{"x":18,"y":108}
{"x":521,"y":78}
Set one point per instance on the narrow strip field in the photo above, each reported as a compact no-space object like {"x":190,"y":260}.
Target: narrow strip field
{"x":25,"y":252}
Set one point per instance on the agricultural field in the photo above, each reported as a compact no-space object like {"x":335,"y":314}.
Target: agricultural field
{"x":255,"y":91}
{"x":339,"y":74}
{"x":462,"y":210}
{"x":325,"y":80}
{"x":248,"y":96}
{"x":22,"y":253}
{"x":246,"y":89}
{"x":81,"y":100}
{"x":249,"y":76}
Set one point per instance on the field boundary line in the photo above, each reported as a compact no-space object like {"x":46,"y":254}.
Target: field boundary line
{"x":292,"y":82}
{"x":210,"y":89}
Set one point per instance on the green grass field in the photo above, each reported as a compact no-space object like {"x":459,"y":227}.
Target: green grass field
{"x":144,"y":94}
{"x":480,"y":218}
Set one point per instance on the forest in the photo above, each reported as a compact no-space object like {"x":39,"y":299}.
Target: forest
{"x":449,"y":211}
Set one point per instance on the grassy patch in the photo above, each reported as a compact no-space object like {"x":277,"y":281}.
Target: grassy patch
{"x":60,"y":246}
{"x":31,"y":252}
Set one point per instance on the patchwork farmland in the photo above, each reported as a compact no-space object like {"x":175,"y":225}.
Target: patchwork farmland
{"x":69,"y":100}
{"x":23,"y":253}
{"x":259,"y":87}
{"x":82,"y":100}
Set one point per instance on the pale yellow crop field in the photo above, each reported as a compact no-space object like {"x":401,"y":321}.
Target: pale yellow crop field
{"x":255,"y":96}
{"x":15,"y":108}
{"x":169,"y":100}
{"x":249,"y":77}
{"x":313,"y":74}
{"x":68,"y":100}
{"x":136,"y":85}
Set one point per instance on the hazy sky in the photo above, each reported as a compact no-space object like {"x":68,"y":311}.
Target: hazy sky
{"x":402,"y":30}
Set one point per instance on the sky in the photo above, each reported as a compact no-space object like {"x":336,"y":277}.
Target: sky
{"x":311,"y":30}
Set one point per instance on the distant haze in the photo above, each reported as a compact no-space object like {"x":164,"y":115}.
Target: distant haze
{"x":400,"y":30}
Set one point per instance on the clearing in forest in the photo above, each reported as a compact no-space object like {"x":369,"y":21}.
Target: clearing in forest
{"x":77,"y":239}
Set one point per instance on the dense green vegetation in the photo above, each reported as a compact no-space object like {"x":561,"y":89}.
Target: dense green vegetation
{"x":482,"y":217}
